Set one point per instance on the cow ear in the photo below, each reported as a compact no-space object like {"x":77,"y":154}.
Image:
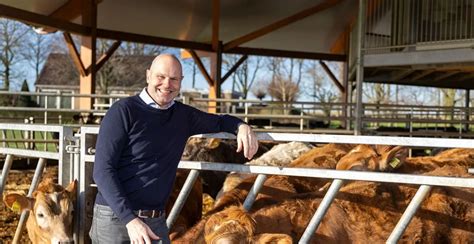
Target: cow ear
{"x":72,"y":189}
{"x":213,"y":143}
{"x":396,"y":156}
{"x":18,"y":203}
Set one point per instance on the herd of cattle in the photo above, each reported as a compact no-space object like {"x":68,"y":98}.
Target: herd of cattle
{"x":362,"y":212}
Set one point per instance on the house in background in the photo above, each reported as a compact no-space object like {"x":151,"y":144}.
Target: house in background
{"x":120,"y":75}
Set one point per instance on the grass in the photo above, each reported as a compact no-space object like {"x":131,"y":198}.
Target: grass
{"x":39,"y":136}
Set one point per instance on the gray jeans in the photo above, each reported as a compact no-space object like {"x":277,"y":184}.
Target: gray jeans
{"x":106,"y":227}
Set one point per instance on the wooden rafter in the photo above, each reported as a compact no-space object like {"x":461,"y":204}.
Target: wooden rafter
{"x":201,"y":67}
{"x":234,"y":68}
{"x":106,"y":56}
{"x":281,"y":23}
{"x":332,"y":76}
{"x":402,"y":74}
{"x":288,"y":54}
{"x":444,"y":76}
{"x":216,"y":9}
{"x":76,"y":57}
{"x":422,"y":74}
{"x":467,"y":77}
{"x":41,"y":20}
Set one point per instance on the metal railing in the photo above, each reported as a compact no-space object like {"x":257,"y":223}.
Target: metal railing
{"x":425,"y":182}
{"x":65,"y":169}
{"x":402,"y":25}
{"x":305,"y":117}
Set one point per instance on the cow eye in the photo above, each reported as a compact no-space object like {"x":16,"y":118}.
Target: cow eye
{"x":40,"y":215}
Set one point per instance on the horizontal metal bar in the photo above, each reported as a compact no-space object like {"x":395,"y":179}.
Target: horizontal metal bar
{"x":32,"y":127}
{"x":349,"y":139}
{"x":29,"y":153}
{"x":57,"y":110}
{"x":373,"y":140}
{"x":333,"y":174}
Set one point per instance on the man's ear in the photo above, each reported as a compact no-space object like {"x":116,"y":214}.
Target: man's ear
{"x":18,"y":203}
{"x":72,"y":189}
{"x":147,"y":75}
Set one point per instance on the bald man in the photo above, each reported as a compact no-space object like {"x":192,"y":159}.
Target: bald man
{"x":139,"y":146}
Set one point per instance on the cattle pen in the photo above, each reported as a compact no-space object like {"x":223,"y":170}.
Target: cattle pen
{"x":75,"y":156}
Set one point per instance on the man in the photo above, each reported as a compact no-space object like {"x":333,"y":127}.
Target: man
{"x":139,"y":146}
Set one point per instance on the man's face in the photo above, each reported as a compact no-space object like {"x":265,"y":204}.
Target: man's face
{"x":164,"y":80}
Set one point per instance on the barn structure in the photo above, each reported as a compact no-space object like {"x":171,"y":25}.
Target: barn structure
{"x":425,"y":43}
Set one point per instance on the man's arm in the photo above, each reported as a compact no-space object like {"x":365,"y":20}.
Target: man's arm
{"x":202,"y":123}
{"x":111,"y":140}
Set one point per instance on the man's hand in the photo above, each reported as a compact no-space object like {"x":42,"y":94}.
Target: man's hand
{"x":139,"y":232}
{"x":246,"y":140}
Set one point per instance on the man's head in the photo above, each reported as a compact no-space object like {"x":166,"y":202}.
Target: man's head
{"x":164,"y":79}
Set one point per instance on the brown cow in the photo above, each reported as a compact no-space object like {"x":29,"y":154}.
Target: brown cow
{"x":287,"y":219}
{"x":51,"y":215}
{"x":234,"y":225}
{"x":373,"y":158}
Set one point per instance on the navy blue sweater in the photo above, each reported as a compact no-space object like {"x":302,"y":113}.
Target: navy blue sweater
{"x":139,"y":148}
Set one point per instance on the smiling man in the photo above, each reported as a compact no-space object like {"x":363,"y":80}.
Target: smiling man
{"x":139,"y":146}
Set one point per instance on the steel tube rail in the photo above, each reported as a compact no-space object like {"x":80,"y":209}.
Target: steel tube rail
{"x":6,"y":169}
{"x":34,"y":127}
{"x":375,"y":140}
{"x":34,"y":184}
{"x":321,"y":211}
{"x":181,"y":199}
{"x":333,"y":174}
{"x":253,"y":192}
{"x":407,"y":216}
{"x":30,"y":153}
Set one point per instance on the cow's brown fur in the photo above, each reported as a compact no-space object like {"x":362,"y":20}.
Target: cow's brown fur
{"x":51,"y":206}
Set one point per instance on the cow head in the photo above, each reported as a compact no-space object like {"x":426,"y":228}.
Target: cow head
{"x":51,"y":215}
{"x":373,"y":158}
{"x":391,"y":157}
{"x":232,"y":225}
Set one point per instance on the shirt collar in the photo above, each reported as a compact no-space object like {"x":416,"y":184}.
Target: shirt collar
{"x":150,"y":102}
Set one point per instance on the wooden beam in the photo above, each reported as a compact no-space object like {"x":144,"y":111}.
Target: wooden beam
{"x":41,"y":20}
{"x":332,"y":76}
{"x":467,"y":77}
{"x":130,"y":37}
{"x":234,"y":68}
{"x":88,"y":53}
{"x":288,"y":54}
{"x":444,"y":76}
{"x":75,"y":56}
{"x":201,"y":67}
{"x":106,"y":56}
{"x":281,"y":23}
{"x":216,"y":9}
{"x":422,"y":74}
{"x":402,"y":74}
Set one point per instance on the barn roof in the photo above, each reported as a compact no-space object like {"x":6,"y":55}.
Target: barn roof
{"x":125,"y":71}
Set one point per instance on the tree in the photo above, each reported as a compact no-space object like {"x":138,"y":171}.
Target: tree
{"x":11,"y":39}
{"x":320,"y":88}
{"x":284,"y":90}
{"x":25,"y":100}
{"x":260,"y":90}
{"x":244,"y":77}
{"x":36,"y":50}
